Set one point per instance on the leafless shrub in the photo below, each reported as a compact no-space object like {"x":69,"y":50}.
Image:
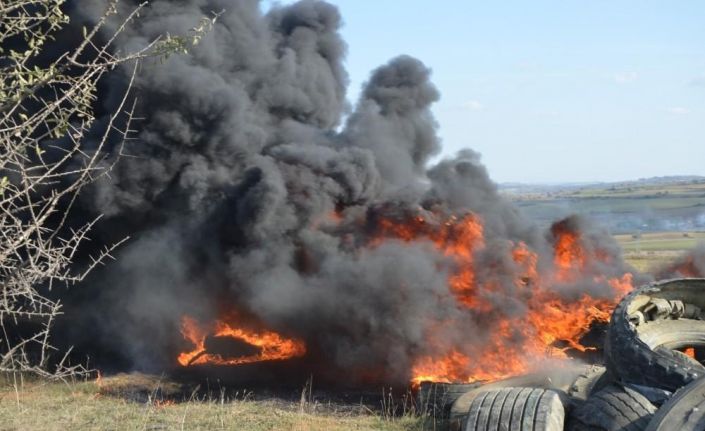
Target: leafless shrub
{"x":45,"y":117}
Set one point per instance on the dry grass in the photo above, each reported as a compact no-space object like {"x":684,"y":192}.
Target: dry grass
{"x":650,"y":261}
{"x":660,"y":241}
{"x":111,"y":405}
{"x":651,"y":251}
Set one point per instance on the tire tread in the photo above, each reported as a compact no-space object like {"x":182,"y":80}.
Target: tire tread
{"x":516,"y":409}
{"x":611,"y":409}
{"x":635,"y":362}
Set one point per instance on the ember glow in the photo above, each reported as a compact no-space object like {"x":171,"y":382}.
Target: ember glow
{"x":272,"y":346}
{"x":552,"y":324}
{"x":690,"y":351}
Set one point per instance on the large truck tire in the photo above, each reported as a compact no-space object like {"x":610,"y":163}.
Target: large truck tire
{"x":614,"y":408}
{"x":685,"y":411}
{"x":650,"y":326}
{"x":516,"y":409}
{"x":435,"y":399}
{"x":558,"y":381}
{"x":591,"y":380}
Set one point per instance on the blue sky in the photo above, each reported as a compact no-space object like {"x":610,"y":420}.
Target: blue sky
{"x":551,"y":91}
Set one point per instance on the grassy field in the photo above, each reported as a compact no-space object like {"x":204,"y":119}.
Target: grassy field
{"x":652,"y":188}
{"x":619,"y":207}
{"x":111,"y":405}
{"x":660,"y":241}
{"x":632,"y":190}
{"x":649,"y":251}
{"x":666,"y":206}
{"x":655,"y":220}
{"x":650,"y":261}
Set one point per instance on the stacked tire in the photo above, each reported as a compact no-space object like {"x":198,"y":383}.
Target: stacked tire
{"x":653,"y":378}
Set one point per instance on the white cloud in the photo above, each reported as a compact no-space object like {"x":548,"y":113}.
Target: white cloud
{"x":625,"y":77}
{"x":678,"y":110}
{"x":473,"y":105}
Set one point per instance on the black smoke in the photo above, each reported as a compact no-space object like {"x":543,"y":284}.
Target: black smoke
{"x":252,"y":184}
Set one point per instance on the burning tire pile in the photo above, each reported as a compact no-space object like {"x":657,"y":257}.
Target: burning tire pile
{"x":653,"y":377}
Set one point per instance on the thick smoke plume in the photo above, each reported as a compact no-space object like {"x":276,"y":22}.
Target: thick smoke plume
{"x":252,"y":187}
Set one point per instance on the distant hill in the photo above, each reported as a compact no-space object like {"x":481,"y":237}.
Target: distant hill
{"x":673,"y":179}
{"x":672,"y":203}
{"x":533,"y":191}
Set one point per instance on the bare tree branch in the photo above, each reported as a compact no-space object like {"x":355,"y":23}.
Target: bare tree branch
{"x":45,"y":115}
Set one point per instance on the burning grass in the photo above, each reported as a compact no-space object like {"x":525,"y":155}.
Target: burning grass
{"x":109,"y":404}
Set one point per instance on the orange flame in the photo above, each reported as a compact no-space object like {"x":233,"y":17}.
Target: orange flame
{"x":686,"y":268}
{"x":569,"y":256}
{"x":273,"y":347}
{"x":160,"y":404}
{"x":548,"y":323}
{"x":456,"y":237}
{"x":551,"y":325}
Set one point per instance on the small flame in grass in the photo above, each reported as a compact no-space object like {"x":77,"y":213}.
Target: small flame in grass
{"x":686,"y":268}
{"x":272,"y":346}
{"x":160,"y":404}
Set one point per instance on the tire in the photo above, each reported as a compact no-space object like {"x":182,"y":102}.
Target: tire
{"x":587,"y":383}
{"x":436,"y":399}
{"x":643,"y":353}
{"x":516,"y":409}
{"x":685,"y":411}
{"x":557,"y":381}
{"x":612,"y":409}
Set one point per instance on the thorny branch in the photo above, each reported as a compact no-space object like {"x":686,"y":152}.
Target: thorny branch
{"x":45,"y":117}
